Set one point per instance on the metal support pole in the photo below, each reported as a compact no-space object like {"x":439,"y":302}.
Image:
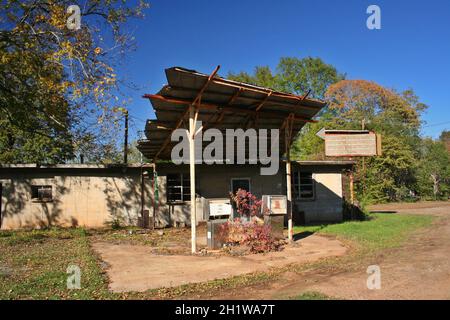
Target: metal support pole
{"x":125,"y":143}
{"x":352,"y":192}
{"x":287,"y":143}
{"x":155,"y":200}
{"x":192,"y":178}
{"x":289,"y":196}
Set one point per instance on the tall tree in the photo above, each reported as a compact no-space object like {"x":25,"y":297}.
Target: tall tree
{"x":294,"y":75}
{"x":433,"y":170}
{"x":298,"y":76}
{"x":309,"y":74}
{"x":389,"y":177}
{"x":396,"y":116}
{"x":262,"y":76}
{"x":445,"y":139}
{"x":58,"y":87}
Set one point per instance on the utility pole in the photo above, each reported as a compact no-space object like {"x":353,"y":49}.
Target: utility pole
{"x":125,"y":147}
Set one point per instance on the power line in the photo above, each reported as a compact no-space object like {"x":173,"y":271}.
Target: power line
{"x":436,"y":124}
{"x":137,"y":118}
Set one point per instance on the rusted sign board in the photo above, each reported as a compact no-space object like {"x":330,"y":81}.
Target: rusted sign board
{"x":351,"y":143}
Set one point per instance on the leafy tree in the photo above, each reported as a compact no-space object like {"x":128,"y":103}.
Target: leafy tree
{"x":134,"y":155}
{"x":262,"y":77}
{"x":294,"y":75}
{"x":308,"y":146}
{"x":309,"y":74}
{"x":389,"y":177}
{"x":396,"y":116}
{"x":298,"y":76}
{"x":357,"y":100}
{"x":58,"y":87}
{"x":445,"y":139}
{"x":433,"y":170}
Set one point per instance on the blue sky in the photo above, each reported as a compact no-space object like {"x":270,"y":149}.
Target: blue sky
{"x":412,"y":50}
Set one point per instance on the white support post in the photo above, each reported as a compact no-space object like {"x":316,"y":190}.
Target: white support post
{"x":289,"y":196}
{"x":287,"y":142}
{"x":192,"y":178}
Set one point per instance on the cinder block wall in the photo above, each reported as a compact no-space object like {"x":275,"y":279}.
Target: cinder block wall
{"x":89,"y":198}
{"x":215,"y":182}
{"x":212,"y":181}
{"x":94,"y":197}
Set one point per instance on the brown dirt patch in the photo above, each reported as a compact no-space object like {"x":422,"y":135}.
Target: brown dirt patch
{"x":424,"y":207}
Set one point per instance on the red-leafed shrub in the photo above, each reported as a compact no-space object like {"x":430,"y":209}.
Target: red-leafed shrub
{"x":250,"y":233}
{"x":259,"y":238}
{"x":247,"y":204}
{"x":253,"y":234}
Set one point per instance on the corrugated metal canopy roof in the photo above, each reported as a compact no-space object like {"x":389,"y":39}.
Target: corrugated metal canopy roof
{"x":224,"y":104}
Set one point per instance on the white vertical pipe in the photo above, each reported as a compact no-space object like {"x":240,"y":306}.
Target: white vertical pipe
{"x":192,"y":179}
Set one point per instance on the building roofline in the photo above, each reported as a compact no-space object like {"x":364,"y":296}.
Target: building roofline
{"x":326,"y":162}
{"x":146,"y":165}
{"x":68,"y":166}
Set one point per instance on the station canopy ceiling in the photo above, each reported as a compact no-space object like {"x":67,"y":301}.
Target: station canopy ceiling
{"x":222,"y":104}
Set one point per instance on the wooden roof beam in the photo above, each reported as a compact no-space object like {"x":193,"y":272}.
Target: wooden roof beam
{"x":221,"y":114}
{"x":264,"y":101}
{"x":214,"y":107}
{"x":296,"y":101}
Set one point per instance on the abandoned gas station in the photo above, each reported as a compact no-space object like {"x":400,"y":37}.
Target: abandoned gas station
{"x":160,"y":193}
{"x":314,"y":190}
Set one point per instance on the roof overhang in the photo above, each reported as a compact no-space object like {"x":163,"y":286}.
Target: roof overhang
{"x":221,"y":104}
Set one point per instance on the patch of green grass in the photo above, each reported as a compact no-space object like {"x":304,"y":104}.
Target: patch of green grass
{"x":381,"y":231}
{"x":33,"y":236}
{"x":33,"y":265}
{"x":311,"y":295}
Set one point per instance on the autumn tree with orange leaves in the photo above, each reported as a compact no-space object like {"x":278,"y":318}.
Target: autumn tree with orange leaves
{"x":397,"y":117}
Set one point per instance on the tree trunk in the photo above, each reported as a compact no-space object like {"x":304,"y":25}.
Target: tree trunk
{"x":435,"y":185}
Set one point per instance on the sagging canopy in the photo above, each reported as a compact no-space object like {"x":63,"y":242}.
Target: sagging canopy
{"x":222,"y":104}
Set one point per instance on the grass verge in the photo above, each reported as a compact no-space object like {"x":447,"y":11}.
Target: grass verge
{"x":379,"y":232}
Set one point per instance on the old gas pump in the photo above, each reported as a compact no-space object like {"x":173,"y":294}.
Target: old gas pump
{"x":274,"y":210}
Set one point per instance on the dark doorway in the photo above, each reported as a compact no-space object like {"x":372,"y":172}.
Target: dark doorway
{"x":240,"y":183}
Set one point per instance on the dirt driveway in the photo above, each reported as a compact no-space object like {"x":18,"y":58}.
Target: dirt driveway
{"x":420,"y":269}
{"x":138,"y":268}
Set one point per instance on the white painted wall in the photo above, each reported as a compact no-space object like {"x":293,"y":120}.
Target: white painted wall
{"x":327,"y":204}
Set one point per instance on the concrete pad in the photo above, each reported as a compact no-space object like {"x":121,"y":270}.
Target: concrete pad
{"x":136,"y":268}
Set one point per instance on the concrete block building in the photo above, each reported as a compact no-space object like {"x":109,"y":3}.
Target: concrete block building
{"x":95,"y":196}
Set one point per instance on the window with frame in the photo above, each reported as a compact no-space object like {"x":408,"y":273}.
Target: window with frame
{"x":303,"y":185}
{"x":41,"y":193}
{"x":178,"y":187}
